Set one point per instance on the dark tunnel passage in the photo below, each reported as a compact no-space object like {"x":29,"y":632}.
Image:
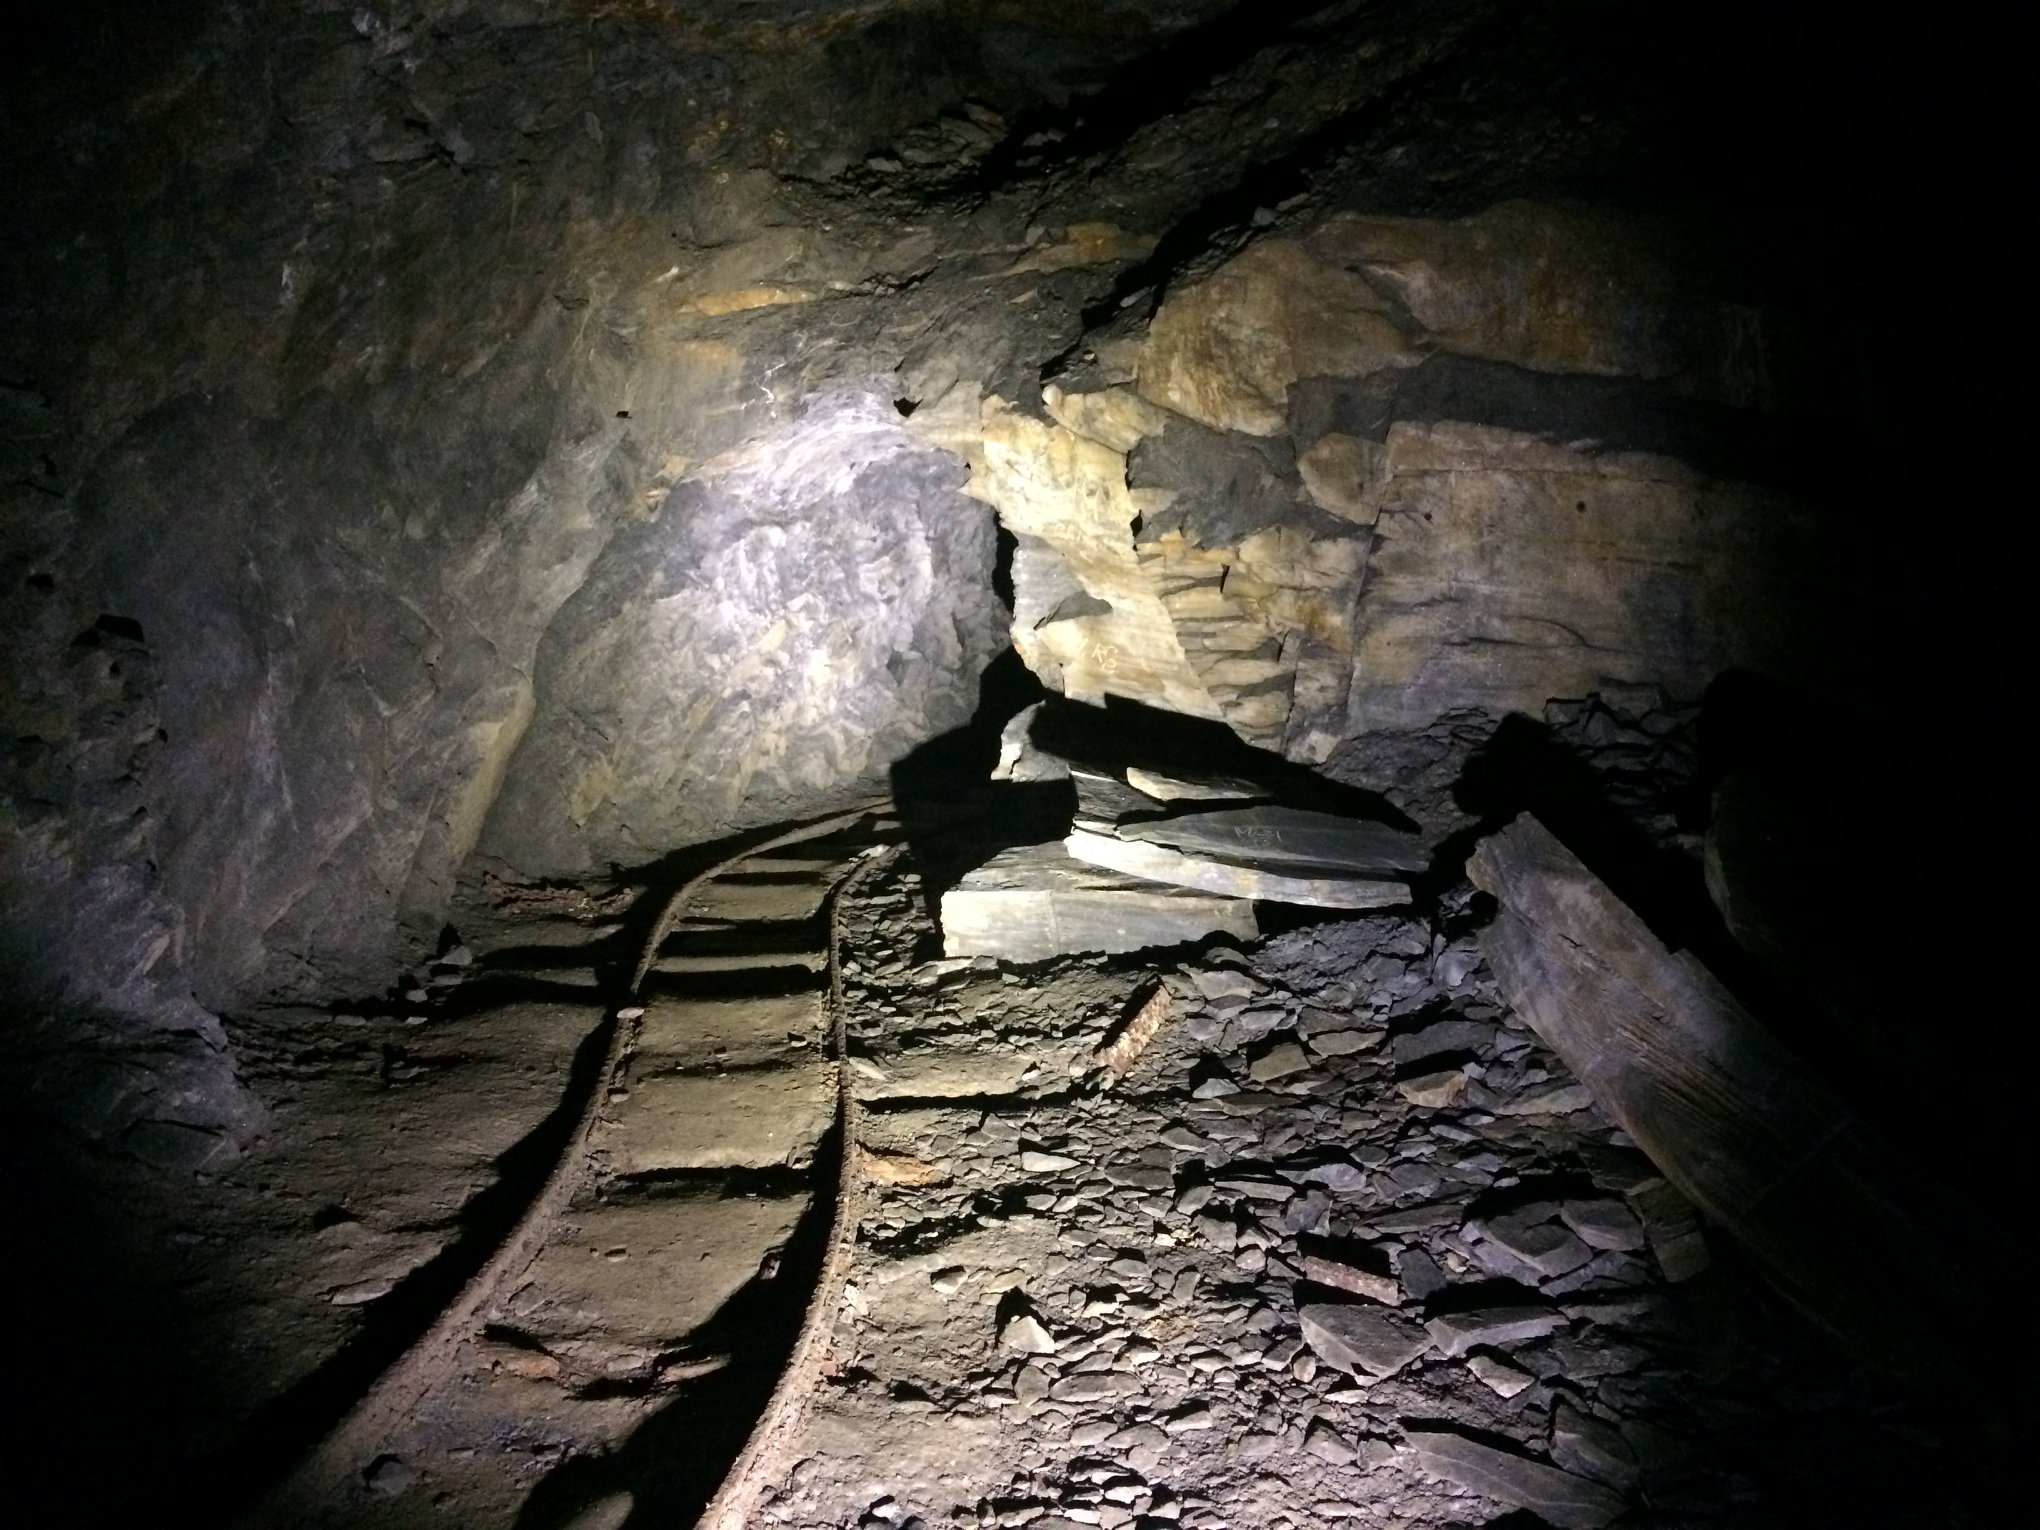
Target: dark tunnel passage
{"x":935,"y":763}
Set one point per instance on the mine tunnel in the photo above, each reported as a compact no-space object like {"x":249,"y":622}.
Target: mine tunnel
{"x":935,"y":763}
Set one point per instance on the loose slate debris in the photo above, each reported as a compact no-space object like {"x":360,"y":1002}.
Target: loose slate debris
{"x":1165,"y":1236}
{"x":1573,"y":1503}
{"x":1361,"y":1340}
{"x":1498,"y":1376}
{"x":1491,"y":1328}
{"x":1672,"y":1229}
{"x":1591,"y":1447}
{"x":1024,"y":1335}
{"x":1541,"y":1242}
{"x":1604,"y":1224}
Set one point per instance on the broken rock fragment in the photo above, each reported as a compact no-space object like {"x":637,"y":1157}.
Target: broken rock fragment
{"x":1279,"y":1061}
{"x":1672,"y":1228}
{"x":1591,"y":1447}
{"x":1435,"y":1091}
{"x":1187,"y":788}
{"x":1539,"y":1241}
{"x":1223,"y":983}
{"x":1491,"y":1327}
{"x":1604,"y":1225}
{"x":1034,"y":1161}
{"x":1024,"y":1335}
{"x":1369,"y":1341}
{"x":1498,"y":1376}
{"x":1343,"y":1043}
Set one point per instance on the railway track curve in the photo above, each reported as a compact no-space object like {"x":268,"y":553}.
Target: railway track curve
{"x":640,"y":1345}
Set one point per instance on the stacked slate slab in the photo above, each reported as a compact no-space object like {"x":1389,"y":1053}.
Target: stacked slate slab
{"x":1156,"y":859}
{"x":1037,"y":901}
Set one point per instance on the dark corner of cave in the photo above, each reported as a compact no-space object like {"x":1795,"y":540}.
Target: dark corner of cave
{"x":943,"y":764}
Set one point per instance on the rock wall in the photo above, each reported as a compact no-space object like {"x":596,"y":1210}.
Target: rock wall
{"x":376,"y":470}
{"x":789,"y":622}
{"x":1357,"y":480}
{"x":434,"y":425}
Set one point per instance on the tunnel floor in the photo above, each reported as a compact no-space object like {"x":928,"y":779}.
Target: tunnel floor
{"x":1344,"y":1244}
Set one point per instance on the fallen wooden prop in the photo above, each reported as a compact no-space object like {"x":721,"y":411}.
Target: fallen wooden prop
{"x":1730,"y":1117}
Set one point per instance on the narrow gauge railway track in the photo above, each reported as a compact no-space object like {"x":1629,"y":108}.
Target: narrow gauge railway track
{"x":640,"y":1346}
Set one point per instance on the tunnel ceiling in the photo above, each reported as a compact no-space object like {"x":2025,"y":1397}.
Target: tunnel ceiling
{"x":536,"y":436}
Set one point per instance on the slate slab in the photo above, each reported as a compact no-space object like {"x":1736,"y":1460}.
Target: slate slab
{"x":1545,"y":1244}
{"x":1035,"y":901}
{"x":1286,"y":836}
{"x":1604,"y":1224}
{"x":1161,"y":863}
{"x":1369,"y":1341}
{"x":1193,"y":788}
{"x":1570,"y":1502}
{"x":1491,"y":1327}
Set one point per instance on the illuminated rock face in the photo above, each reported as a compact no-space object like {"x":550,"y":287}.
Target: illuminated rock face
{"x":556,"y":431}
{"x":769,"y":642}
{"x":1282,"y":524}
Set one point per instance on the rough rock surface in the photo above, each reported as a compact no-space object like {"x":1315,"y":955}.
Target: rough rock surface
{"x":368,"y":442}
{"x":1160,"y":1237}
{"x":773,"y":638}
{"x":388,"y":387}
{"x":1386,"y":557}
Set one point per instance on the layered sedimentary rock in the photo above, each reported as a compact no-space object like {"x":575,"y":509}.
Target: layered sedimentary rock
{"x":1161,"y":863}
{"x":1508,"y":570}
{"x":1239,"y":633}
{"x":1533,"y":286}
{"x":1389,"y":469}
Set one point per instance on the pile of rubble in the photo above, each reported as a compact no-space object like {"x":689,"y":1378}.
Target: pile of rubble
{"x":1341,"y":1242}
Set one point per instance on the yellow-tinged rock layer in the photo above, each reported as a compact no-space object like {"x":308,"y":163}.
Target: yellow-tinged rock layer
{"x":1507,"y":570}
{"x":1225,"y":352}
{"x":1486,"y":567}
{"x":1220,"y":632}
{"x":1066,"y":498}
